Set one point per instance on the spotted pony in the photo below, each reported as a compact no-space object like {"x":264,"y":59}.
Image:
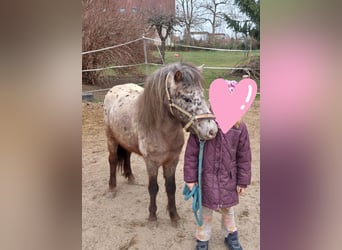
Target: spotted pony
{"x":150,"y":122}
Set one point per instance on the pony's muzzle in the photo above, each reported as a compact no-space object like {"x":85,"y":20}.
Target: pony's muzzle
{"x":206,"y":129}
{"x":212,"y":132}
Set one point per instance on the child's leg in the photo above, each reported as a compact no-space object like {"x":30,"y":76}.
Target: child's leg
{"x":203,"y":232}
{"x":228,"y":221}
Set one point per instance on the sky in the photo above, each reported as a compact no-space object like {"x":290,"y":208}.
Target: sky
{"x":231,"y":10}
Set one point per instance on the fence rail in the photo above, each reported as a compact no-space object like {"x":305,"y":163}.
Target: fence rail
{"x":146,"y":62}
{"x":99,"y":93}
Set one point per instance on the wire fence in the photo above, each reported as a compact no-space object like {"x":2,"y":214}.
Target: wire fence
{"x":95,"y":93}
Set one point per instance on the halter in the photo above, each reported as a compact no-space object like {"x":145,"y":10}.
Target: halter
{"x":192,"y":118}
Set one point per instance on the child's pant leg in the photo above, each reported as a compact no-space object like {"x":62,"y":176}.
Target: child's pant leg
{"x":203,"y":232}
{"x":228,"y":221}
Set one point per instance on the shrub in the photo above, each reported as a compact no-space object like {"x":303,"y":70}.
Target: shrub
{"x":103,"y":26}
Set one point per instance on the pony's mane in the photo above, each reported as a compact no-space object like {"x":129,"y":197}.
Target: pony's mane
{"x":153,"y":103}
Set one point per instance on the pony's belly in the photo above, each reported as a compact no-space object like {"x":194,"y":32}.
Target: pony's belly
{"x":160,"y":149}
{"x":120,"y":113}
{"x":124,"y":133}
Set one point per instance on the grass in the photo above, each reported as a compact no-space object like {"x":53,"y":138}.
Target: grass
{"x":211,"y":59}
{"x":206,"y":57}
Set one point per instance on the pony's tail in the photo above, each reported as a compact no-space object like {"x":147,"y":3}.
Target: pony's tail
{"x":123,"y":157}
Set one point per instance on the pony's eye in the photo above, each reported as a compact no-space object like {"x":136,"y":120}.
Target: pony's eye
{"x":187,"y":99}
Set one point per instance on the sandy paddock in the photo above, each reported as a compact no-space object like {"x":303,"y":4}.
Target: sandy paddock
{"x":120,"y":222}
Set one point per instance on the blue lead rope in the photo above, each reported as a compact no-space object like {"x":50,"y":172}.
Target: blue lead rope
{"x":196,"y":191}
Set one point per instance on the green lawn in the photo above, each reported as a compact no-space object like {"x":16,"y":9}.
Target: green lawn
{"x":211,"y":59}
{"x":208,"y":58}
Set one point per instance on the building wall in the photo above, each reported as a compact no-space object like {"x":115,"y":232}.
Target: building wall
{"x":145,"y":6}
{"x":199,"y":36}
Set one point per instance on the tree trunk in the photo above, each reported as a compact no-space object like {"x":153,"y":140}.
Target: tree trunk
{"x":214,"y":25}
{"x":162,"y":50}
{"x":187,"y":36}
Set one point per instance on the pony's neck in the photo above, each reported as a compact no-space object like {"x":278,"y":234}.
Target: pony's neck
{"x":171,"y":130}
{"x":154,"y":117}
{"x":170,"y":120}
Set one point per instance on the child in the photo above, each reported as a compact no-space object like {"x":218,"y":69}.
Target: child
{"x":226,"y":172}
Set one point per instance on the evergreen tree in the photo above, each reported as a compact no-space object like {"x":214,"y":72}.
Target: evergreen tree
{"x":249,"y":26}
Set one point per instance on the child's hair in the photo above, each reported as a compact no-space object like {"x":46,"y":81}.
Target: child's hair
{"x":237,"y":124}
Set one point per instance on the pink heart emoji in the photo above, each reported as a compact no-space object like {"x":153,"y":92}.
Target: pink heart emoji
{"x":229,"y":107}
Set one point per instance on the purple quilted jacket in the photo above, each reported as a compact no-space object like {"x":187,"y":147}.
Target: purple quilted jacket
{"x":226,"y":164}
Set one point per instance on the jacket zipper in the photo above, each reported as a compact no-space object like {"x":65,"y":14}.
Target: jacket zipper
{"x":219,"y":191}
{"x":218,"y":176}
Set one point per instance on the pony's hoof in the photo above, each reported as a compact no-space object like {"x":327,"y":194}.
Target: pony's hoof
{"x":152,"y":218}
{"x":175,"y":220}
{"x":152,"y":224}
{"x":174,"y":217}
{"x":175,"y":223}
{"x":111,"y":192}
{"x":131,"y":179}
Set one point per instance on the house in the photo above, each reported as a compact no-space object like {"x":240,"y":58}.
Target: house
{"x":205,"y":36}
{"x":219,"y":36}
{"x":144,"y":6}
{"x":199,"y":36}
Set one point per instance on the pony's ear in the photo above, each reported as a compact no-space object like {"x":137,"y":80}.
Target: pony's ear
{"x":178,"y":76}
{"x":200,"y":68}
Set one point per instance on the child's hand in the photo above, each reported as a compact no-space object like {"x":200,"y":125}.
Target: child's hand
{"x":240,"y":190}
{"x":190,"y":185}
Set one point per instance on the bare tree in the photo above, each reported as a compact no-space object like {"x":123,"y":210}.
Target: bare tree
{"x":164,"y":25}
{"x":189,"y":14}
{"x":214,"y":11}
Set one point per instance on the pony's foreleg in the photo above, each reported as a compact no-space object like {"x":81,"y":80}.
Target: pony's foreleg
{"x":170,"y":186}
{"x":152,"y":170}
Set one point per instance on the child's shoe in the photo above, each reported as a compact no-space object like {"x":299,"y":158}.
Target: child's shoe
{"x":232,"y":241}
{"x":202,"y":245}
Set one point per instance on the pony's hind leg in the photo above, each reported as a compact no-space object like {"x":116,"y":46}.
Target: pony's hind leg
{"x":112,"y":171}
{"x":113,"y":162}
{"x":170,"y":186}
{"x":125,"y":157}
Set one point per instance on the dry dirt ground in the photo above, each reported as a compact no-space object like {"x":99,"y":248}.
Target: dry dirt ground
{"x":120,"y":222}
